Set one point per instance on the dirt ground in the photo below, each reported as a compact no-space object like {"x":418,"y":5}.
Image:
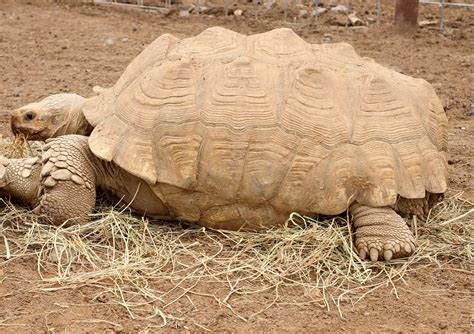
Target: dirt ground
{"x":48,"y":48}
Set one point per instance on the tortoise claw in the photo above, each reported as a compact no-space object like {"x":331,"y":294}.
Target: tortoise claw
{"x":374,"y":254}
{"x":387,"y":255}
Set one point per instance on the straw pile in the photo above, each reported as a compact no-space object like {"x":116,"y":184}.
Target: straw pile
{"x":146,"y":266}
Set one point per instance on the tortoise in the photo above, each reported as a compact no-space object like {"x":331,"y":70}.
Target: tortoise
{"x":236,"y":132}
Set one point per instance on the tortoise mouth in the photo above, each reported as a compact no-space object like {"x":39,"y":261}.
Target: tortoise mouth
{"x":29,"y":133}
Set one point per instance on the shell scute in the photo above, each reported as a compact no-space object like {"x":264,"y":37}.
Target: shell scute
{"x":211,"y":42}
{"x":238,"y":96}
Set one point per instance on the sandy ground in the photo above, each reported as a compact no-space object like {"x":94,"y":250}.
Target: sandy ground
{"x":50,"y":48}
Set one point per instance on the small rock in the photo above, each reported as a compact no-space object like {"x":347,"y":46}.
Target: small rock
{"x":339,"y":9}
{"x":303,"y":13}
{"x":427,"y":23}
{"x":471,"y":112}
{"x":371,"y":19}
{"x":124,"y":40}
{"x":183,"y":13}
{"x":354,"y":20}
{"x":172,"y":11}
{"x":319,"y":11}
{"x":198,"y":9}
{"x":164,"y":11}
{"x":326,"y":38}
{"x":109,"y":42}
{"x":238,"y":12}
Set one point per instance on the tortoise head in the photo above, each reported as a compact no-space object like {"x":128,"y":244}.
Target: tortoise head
{"x":53,"y":116}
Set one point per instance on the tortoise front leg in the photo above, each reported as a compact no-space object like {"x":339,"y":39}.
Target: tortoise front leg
{"x":68,"y":181}
{"x":380,"y":233}
{"x":20,"y":179}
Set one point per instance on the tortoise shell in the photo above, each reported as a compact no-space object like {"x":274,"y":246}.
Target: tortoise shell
{"x":269,"y":118}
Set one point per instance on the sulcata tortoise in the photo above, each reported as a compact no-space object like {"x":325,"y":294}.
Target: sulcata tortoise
{"x":236,"y":132}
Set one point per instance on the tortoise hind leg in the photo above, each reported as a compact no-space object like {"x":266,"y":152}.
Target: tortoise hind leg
{"x":380,"y":233}
{"x":408,"y":207}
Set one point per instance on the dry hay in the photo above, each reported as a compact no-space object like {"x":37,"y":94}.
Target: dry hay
{"x":147,"y":266}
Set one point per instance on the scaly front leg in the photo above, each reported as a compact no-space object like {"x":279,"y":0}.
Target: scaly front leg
{"x":68,"y":181}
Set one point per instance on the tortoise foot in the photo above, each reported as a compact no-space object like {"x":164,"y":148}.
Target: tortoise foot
{"x":381,"y":234}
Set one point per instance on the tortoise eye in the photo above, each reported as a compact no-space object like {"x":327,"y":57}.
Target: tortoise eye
{"x":29,"y":116}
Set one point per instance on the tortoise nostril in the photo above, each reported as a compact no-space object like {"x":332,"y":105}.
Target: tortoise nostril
{"x":29,"y":116}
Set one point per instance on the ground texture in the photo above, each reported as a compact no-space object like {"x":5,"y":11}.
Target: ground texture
{"x":50,"y":48}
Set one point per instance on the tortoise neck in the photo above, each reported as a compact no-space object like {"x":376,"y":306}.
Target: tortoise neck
{"x":74,"y":121}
